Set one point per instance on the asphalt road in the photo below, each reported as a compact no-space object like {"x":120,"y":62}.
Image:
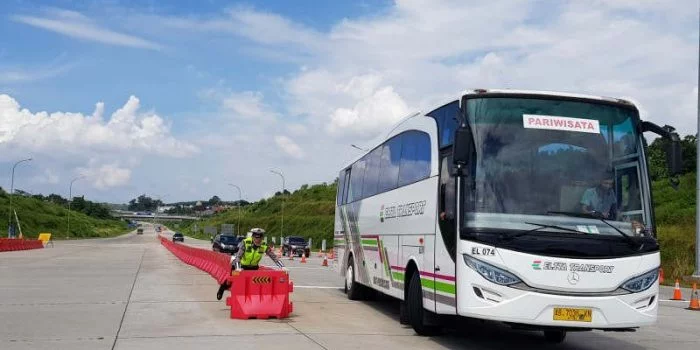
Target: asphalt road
{"x":129,"y":292}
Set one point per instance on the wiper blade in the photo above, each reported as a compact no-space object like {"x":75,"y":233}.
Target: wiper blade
{"x":599,"y":216}
{"x":541,"y":226}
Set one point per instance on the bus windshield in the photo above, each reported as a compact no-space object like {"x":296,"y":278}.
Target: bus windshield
{"x":547,"y":161}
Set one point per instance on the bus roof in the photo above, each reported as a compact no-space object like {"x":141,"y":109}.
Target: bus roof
{"x":545,"y":93}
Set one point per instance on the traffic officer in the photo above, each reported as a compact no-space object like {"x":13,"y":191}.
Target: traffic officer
{"x":248,"y":256}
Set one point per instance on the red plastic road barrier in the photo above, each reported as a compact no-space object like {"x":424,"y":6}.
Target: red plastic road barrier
{"x":218,"y":265}
{"x":260,"y":294}
{"x":254,"y":294}
{"x":12,"y":244}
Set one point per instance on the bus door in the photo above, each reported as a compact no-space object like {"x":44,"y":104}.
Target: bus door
{"x":445,"y":239}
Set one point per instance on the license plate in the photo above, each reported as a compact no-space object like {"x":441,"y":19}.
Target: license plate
{"x":572,"y":314}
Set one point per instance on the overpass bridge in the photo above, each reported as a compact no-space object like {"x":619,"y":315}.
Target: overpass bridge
{"x":158,"y":217}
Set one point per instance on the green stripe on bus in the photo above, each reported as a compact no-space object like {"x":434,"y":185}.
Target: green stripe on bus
{"x":428,"y":283}
{"x":372,"y":242}
{"x":441,"y":286}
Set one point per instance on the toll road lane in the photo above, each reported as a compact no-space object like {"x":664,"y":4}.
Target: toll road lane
{"x":131,"y":293}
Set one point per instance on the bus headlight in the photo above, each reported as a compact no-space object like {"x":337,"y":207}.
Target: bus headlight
{"x":490,"y":272}
{"x":641,"y":283}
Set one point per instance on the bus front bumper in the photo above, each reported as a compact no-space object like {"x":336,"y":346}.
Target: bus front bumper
{"x":512,"y":305}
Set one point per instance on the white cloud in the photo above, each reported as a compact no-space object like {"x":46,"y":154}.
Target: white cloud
{"x":106,"y":175}
{"x":427,"y":53}
{"x":76,"y":25}
{"x":74,"y":133}
{"x":270,"y":28}
{"x":247,"y":105}
{"x":21,"y":75}
{"x":370,"y":116}
{"x":288,"y":146}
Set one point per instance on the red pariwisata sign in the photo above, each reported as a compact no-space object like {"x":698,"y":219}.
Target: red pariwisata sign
{"x":550,"y":122}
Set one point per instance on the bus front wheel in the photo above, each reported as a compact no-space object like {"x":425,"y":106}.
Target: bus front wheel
{"x":416,"y":312}
{"x":352,"y":288}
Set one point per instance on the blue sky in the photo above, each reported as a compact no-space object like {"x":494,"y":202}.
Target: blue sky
{"x":213,"y":92}
{"x":168,"y":79}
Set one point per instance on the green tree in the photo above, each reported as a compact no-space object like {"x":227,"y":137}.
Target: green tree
{"x":214,"y":200}
{"x":143,"y":203}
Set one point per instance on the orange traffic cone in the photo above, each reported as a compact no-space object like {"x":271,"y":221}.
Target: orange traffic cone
{"x":325,"y":261}
{"x":661,"y":275}
{"x":320,"y":253}
{"x":677,"y":292}
{"x":291,"y":255}
{"x":303,"y":258}
{"x":694,"y":302}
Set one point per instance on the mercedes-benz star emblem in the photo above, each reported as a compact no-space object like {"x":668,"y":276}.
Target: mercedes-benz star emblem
{"x":573,"y":278}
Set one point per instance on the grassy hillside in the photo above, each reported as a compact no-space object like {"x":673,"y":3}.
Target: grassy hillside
{"x":308,"y":212}
{"x":38,"y":216}
{"x":675,"y":218}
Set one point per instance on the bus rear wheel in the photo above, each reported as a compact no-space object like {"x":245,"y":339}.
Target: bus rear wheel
{"x":416,"y":312}
{"x":554,"y":337}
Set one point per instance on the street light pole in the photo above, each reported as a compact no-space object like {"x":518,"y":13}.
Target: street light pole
{"x":70,"y":200}
{"x":697,"y":186}
{"x":240,"y":199}
{"x":282,"y":176}
{"x":12,"y":190}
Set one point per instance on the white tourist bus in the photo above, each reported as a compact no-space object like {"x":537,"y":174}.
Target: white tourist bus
{"x":494,"y":206}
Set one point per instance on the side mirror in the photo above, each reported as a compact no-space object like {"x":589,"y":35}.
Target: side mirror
{"x":674,"y":157}
{"x":463,"y":148}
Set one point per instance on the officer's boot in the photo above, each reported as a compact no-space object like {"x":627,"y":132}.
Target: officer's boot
{"x":224,"y":286}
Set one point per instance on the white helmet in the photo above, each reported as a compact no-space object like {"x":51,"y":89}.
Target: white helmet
{"x":257,"y":232}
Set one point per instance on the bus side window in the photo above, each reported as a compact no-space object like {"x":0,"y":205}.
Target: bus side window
{"x":449,"y":124}
{"x":446,"y":118}
{"x":389,"y":164}
{"x":357,"y":174}
{"x":415,"y":157}
{"x":340,"y":196}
